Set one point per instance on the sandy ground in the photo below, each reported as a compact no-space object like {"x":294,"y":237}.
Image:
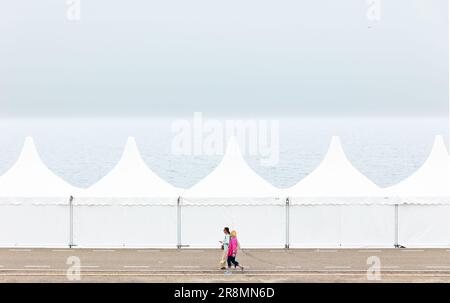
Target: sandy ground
{"x":188,"y":265}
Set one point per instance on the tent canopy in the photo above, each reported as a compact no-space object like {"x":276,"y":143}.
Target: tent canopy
{"x":130,"y":180}
{"x":232,"y":180}
{"x":335,"y":181}
{"x":30,"y":178}
{"x":430,"y":184}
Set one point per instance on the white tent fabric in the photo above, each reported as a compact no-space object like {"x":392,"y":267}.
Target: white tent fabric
{"x":424,"y":202}
{"x":428,"y":185}
{"x":335,"y":226}
{"x":258,"y":226}
{"x":130,"y":207}
{"x":34,"y":225}
{"x":128,"y":226}
{"x":34,"y":203}
{"x":335,"y":181}
{"x":233,"y":195}
{"x":334,"y":206}
{"x":424,"y":225}
{"x":30,"y":181}
{"x":130,"y":182}
{"x":337,"y":206}
{"x":233,"y":181}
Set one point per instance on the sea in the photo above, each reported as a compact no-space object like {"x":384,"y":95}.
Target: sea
{"x":83,"y":150}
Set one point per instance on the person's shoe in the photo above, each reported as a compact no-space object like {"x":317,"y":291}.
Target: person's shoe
{"x":242,"y":268}
{"x":227,"y":272}
{"x":223,"y":268}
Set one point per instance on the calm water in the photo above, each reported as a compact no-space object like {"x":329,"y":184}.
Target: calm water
{"x":83,"y":150}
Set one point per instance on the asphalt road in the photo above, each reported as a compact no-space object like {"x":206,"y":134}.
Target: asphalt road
{"x":189,"y":265}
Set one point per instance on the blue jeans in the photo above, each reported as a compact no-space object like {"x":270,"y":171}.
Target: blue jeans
{"x":232,"y":260}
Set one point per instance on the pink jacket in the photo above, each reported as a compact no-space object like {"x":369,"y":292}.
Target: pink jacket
{"x":233,"y":247}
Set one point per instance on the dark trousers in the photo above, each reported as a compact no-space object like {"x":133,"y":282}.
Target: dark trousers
{"x":232,"y":260}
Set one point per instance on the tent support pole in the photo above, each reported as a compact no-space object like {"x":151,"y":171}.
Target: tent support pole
{"x":179,"y":223}
{"x":396,"y":245}
{"x":71,"y":222}
{"x":286,"y":246}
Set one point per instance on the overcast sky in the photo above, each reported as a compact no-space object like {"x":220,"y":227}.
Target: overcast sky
{"x":171,"y":57}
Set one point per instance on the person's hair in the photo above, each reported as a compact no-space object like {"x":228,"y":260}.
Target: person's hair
{"x":233,"y":233}
{"x":227,"y":230}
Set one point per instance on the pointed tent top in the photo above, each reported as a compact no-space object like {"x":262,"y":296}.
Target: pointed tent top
{"x":432,"y":179}
{"x":131,"y":150}
{"x":335,"y":154}
{"x":232,"y":178}
{"x":131,"y":157}
{"x":131,"y":178}
{"x":30,"y":177}
{"x":439,"y":150}
{"x":233,"y":147}
{"x":233,"y":158}
{"x":29,"y":153}
{"x":334,"y":177}
{"x":29,"y":144}
{"x":335,"y":142}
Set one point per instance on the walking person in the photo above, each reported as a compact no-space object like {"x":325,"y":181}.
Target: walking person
{"x":232,"y":252}
{"x":225,"y":244}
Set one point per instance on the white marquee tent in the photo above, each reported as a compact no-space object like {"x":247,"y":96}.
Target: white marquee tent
{"x":233,"y":195}
{"x":130,"y":207}
{"x":34,"y":203}
{"x":337,"y":206}
{"x":334,"y":206}
{"x":424,"y":202}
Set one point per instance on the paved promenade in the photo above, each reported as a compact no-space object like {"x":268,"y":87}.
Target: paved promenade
{"x":186,"y":265}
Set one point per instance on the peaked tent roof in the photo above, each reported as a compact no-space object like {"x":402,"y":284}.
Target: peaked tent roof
{"x":131,"y":178}
{"x":431,"y":181}
{"x":29,"y":177}
{"x":232,"y":178}
{"x":335,"y":180}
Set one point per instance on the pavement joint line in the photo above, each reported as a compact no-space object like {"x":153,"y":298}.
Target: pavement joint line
{"x":413,"y":266}
{"x":294,"y":250}
{"x":337,"y":267}
{"x":136,"y":266}
{"x":186,"y":266}
{"x":310,"y":271}
{"x":370,"y":251}
{"x":236,"y":275}
{"x":37,"y":266}
{"x":103,"y":250}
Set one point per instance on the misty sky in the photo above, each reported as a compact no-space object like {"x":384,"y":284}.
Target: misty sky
{"x":283,"y":57}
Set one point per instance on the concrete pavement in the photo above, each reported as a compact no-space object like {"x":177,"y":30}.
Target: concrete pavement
{"x":196,"y":265}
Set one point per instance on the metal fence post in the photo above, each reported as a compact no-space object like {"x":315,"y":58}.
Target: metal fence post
{"x":71,"y":222}
{"x":287,"y":223}
{"x":396,"y":245}
{"x":179,"y":223}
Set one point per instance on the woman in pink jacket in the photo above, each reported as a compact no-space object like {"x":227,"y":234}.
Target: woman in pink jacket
{"x":232,"y":251}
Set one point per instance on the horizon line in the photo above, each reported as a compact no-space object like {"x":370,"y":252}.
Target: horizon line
{"x":221,"y":116}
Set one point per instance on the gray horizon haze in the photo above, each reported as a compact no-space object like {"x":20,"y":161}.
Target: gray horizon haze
{"x":247,"y":57}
